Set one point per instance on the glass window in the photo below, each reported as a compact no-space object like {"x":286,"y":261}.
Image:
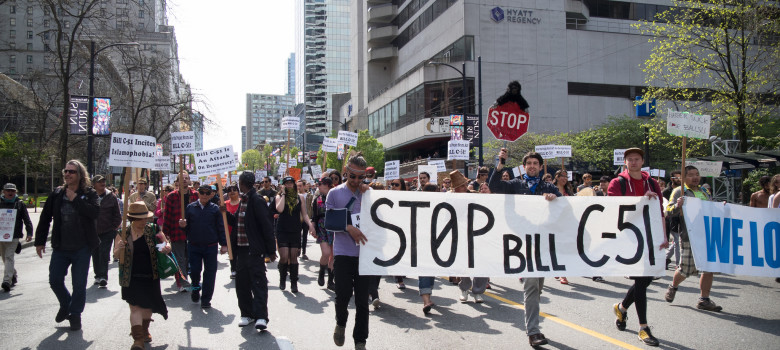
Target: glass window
{"x":12,"y":33}
{"x":29,"y":10}
{"x":12,"y":8}
{"x":29,"y":47}
{"x":12,"y":22}
{"x":402,"y":106}
{"x":46,"y":23}
{"x":29,"y":34}
{"x":12,"y":58}
{"x":29,"y":59}
{"x":140,"y":13}
{"x":29,"y":22}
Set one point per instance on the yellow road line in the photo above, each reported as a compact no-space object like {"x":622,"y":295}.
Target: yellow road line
{"x":569,"y":324}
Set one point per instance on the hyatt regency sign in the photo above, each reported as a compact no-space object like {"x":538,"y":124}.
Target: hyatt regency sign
{"x":513,"y":15}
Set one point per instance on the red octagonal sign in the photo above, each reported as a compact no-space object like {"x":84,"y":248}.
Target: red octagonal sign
{"x":508,"y":121}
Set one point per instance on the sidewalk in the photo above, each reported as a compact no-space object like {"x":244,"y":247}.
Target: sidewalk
{"x":34,"y":217}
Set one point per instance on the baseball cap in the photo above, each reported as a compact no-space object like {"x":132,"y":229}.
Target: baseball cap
{"x":9,"y":186}
{"x":634,"y":150}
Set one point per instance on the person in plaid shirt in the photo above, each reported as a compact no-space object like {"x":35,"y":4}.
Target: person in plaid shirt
{"x":176,"y":235}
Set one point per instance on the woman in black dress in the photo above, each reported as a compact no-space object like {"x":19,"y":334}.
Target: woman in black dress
{"x":288,"y":231}
{"x":138,"y":272}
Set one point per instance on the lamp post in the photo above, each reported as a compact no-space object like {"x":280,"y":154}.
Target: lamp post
{"x":25,"y":176}
{"x":52,"y":172}
{"x":90,"y":118}
{"x":462,"y":100}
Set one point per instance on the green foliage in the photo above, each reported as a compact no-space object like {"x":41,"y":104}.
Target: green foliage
{"x":751,"y":182}
{"x":373,"y":152}
{"x":251,"y":160}
{"x":12,"y":154}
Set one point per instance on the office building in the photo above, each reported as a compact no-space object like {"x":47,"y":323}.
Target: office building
{"x":243,"y":139}
{"x":291,"y":74}
{"x":263,"y":118}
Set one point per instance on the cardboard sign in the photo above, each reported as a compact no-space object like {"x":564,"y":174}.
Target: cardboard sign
{"x":329,"y":144}
{"x":518,"y":171}
{"x":457,"y":150}
{"x":194,"y":177}
{"x":215,"y":161}
{"x":162,"y":163}
{"x":618,"y":157}
{"x":135,"y":151}
{"x":316,"y":171}
{"x":392,"y":170}
{"x":172,"y":178}
{"x":707,"y":169}
{"x":307,"y":177}
{"x":431,"y":170}
{"x":293,"y":162}
{"x":183,"y":142}
{"x":645,"y":169}
{"x":440,"y":166}
{"x":562,"y":151}
{"x":688,"y":124}
{"x":348,"y":138}
{"x":7,"y":225}
{"x":291,"y":123}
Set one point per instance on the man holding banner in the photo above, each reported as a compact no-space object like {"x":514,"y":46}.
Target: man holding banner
{"x":530,"y":184}
{"x":635,"y":182}
{"x":687,"y":266}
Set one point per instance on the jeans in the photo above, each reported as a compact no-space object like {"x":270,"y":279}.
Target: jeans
{"x":532,"y":288}
{"x":347,"y":276}
{"x":78,"y":261}
{"x":425,"y":284}
{"x":477,"y":286}
{"x":205,"y":258}
{"x":251,"y":284}
{"x":7,"y":250}
{"x":373,"y":287}
{"x":102,"y":255}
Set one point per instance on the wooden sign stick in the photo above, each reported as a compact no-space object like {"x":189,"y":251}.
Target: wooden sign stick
{"x":123,"y":233}
{"x":224,"y":216}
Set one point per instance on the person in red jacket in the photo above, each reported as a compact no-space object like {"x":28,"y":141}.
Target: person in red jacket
{"x":635,"y":182}
{"x":176,"y":235}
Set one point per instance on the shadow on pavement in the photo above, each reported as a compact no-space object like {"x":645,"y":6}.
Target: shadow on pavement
{"x":305,"y":303}
{"x":73,"y":340}
{"x":258,"y":340}
{"x":94,"y":294}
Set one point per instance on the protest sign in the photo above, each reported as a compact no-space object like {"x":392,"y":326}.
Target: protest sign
{"x":162,"y":163}
{"x":618,"y":157}
{"x":562,"y":151}
{"x":440,"y":166}
{"x":707,"y":169}
{"x":316,"y":171}
{"x":645,"y":169}
{"x":457,"y":150}
{"x":329,"y":144}
{"x":194,"y":177}
{"x":732,"y":238}
{"x":295,"y":173}
{"x":307,"y":177}
{"x":282,"y":168}
{"x":172,"y":178}
{"x":128,"y":150}
{"x":430,"y":169}
{"x":183,"y":142}
{"x":210,"y":180}
{"x":293,"y":162}
{"x":546,"y":151}
{"x":688,"y":124}
{"x":347,"y":138}
{"x":466,"y":234}
{"x":518,"y":171}
{"x":215,"y":161}
{"x":291,"y":123}
{"x":392,"y":169}
{"x":7,"y":225}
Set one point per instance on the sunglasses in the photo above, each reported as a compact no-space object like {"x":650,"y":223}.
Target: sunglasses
{"x":359,"y":177}
{"x":395,"y":184}
{"x":69,"y":171}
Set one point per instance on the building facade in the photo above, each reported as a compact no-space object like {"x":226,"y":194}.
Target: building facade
{"x":291,"y":74}
{"x":264,"y":114}
{"x":578,"y":62}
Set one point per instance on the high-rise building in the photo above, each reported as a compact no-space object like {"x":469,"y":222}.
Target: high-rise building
{"x":263,"y":118}
{"x":291,"y":74}
{"x":322,"y":60}
{"x":243,"y":139}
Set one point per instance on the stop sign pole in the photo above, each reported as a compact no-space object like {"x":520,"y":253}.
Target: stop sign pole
{"x":508,"y":122}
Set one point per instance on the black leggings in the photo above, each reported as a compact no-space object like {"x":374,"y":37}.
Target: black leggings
{"x":637,"y":294}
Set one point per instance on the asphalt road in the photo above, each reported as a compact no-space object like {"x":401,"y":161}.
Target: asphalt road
{"x":576,"y":316}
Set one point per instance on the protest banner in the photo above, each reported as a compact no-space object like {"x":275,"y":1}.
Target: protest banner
{"x":282,"y":168}
{"x":431,"y":170}
{"x":183,"y":142}
{"x":688,"y":124}
{"x":707,"y":169}
{"x":457,"y":150}
{"x":7,"y":225}
{"x":440,"y":166}
{"x":316,"y":171}
{"x":215,"y":161}
{"x":295,"y":173}
{"x":733,"y":239}
{"x":293,"y":162}
{"x":348,"y":138}
{"x":128,"y":150}
{"x":392,"y":170}
{"x":466,"y":234}
{"x":617,"y":157}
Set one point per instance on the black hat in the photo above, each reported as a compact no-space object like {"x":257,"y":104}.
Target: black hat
{"x":288,"y":178}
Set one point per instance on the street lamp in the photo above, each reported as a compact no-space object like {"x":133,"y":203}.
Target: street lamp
{"x":462,"y":99}
{"x":25,"y":176}
{"x":92,"y":54}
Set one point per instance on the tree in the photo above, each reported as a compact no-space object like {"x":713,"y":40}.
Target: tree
{"x":373,"y":152}
{"x":717,"y":57}
{"x":250,"y":160}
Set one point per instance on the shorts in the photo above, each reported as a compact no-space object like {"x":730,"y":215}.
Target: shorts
{"x":687,"y":264}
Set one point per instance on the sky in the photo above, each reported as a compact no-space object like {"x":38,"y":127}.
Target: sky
{"x":228,"y":49}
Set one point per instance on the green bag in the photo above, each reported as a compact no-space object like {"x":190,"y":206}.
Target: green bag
{"x":166,"y":264}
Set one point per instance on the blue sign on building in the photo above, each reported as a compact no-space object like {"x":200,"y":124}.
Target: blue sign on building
{"x":645,"y":109}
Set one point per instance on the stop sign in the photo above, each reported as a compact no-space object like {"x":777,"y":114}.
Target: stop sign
{"x":508,"y":121}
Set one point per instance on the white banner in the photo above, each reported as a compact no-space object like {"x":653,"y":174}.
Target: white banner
{"x":307,"y":177}
{"x":348,"y":138}
{"x":291,"y":123}
{"x":194,"y":177}
{"x":392,"y":170}
{"x":562,"y":151}
{"x":617,"y":156}
{"x":495,"y":235}
{"x":293,"y":162}
{"x":316,"y":171}
{"x":330,"y":144}
{"x":183,"y":142}
{"x":282,"y":168}
{"x":135,"y":151}
{"x":688,"y":124}
{"x":457,"y":150}
{"x":215,"y":161}
{"x":707,"y":169}
{"x":732,"y":238}
{"x":440,"y":166}
{"x":162,"y":163}
{"x":7,"y":224}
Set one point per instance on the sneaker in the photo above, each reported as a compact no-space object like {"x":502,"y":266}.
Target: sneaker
{"x":464,"y":296}
{"x":375,"y":303}
{"x":97,"y":281}
{"x":245,"y":321}
{"x":670,"y":293}
{"x":304,"y":257}
{"x":232,"y":275}
{"x":647,"y":337}
{"x":360,"y":346}
{"x":195,"y":296}
{"x":478,"y":299}
{"x":261,"y":324}
{"x":537,"y":340}
{"x":6,"y":286}
{"x":564,"y":280}
{"x":598,"y":279}
{"x":102,"y":283}
{"x":708,"y":305}
{"x":75,"y":322}
{"x":620,"y":322}
{"x":182,"y":289}
{"x":338,"y":335}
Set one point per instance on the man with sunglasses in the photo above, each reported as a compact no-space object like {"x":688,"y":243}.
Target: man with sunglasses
{"x":346,"y":250}
{"x":203,"y":225}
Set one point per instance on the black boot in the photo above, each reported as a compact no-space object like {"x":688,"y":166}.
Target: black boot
{"x":321,"y":276}
{"x":331,"y":285}
{"x":294,"y":278}
{"x":283,"y":275}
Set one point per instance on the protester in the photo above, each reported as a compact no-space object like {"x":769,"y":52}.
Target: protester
{"x":635,"y":182}
{"x":475,"y":286}
{"x":484,"y":188}
{"x":289,"y":205}
{"x":687,"y":266}
{"x":159,"y":213}
{"x":11,"y":201}
{"x":529,"y":184}
{"x":335,"y":176}
{"x":176,"y":235}
{"x":446,"y":184}
{"x":74,"y":208}
{"x":586,"y":179}
{"x":323,"y":236}
{"x":674,"y":181}
{"x":760,"y":198}
{"x":603,"y":186}
{"x":346,"y":250}
{"x":108,"y":222}
{"x":774,"y":188}
{"x":138,"y":272}
{"x":424,"y":179}
{"x":143,"y":195}
{"x":425,"y":283}
{"x":254,"y":243}
{"x":548,"y":178}
{"x":562,"y":184}
{"x":505,"y":176}
{"x":231,"y":204}
{"x":204,"y":228}
{"x":672,"y":223}
{"x":308,"y":197}
{"x":482,"y":176}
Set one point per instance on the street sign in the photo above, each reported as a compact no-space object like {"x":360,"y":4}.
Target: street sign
{"x":508,"y":122}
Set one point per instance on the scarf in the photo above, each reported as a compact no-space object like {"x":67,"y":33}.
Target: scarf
{"x":290,"y":198}
{"x":5,"y":200}
{"x":532,"y":182}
